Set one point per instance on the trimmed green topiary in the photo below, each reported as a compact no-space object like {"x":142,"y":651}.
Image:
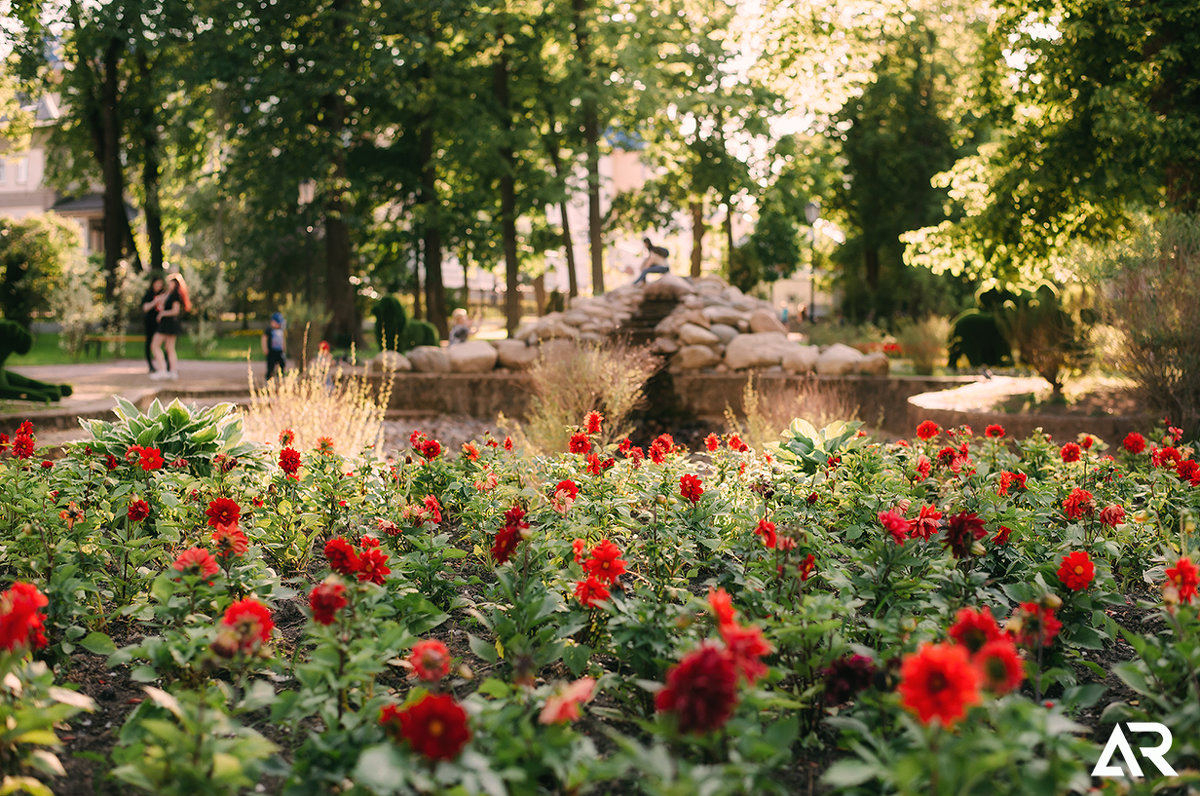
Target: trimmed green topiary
{"x":390,"y":321}
{"x":419,"y":333}
{"x":13,"y":386}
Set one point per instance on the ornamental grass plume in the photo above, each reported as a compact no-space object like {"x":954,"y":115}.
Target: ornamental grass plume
{"x":328,"y":399}
{"x":607,"y":380}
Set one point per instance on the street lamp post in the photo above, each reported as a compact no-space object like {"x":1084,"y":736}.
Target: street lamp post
{"x":812,"y":212}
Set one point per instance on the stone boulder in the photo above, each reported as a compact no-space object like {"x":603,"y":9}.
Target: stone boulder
{"x":760,"y":350}
{"x":473,"y":356}
{"x":873,"y":364}
{"x":723,"y":332}
{"x":719,"y":313}
{"x":515,"y":355}
{"x":765,"y":320}
{"x":695,"y":357}
{"x":664,"y":345}
{"x":389,"y":361}
{"x":691,"y":334}
{"x":839,"y":360}
{"x":801,"y":359}
{"x":668,"y":286}
{"x":429,"y":359}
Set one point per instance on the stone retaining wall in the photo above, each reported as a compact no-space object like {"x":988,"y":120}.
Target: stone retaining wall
{"x":882,"y":400}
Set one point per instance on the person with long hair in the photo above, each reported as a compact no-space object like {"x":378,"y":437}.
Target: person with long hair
{"x":150,"y":315}
{"x":171,"y":303}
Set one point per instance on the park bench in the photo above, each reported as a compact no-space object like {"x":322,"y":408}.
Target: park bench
{"x":93,"y":343}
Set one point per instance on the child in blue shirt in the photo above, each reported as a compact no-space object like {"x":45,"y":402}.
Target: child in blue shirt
{"x":273,"y":345}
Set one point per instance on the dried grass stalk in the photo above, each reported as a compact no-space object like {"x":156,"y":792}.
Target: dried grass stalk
{"x":767,"y":411}
{"x":327,"y":399}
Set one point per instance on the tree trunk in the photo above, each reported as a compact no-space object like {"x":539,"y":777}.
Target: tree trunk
{"x":569,"y":248}
{"x":591,"y":135}
{"x":553,"y":151}
{"x":871,"y":260}
{"x":151,"y":174}
{"x":435,"y":291}
{"x":508,"y":195}
{"x":728,"y":237}
{"x":697,"y":235}
{"x":118,"y":237}
{"x":418,"y":314}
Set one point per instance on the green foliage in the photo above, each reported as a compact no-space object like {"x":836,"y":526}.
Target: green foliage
{"x":418,"y":333}
{"x":923,"y":342}
{"x":31,"y":709}
{"x":390,"y":321}
{"x":33,"y":254}
{"x":1050,"y":335}
{"x":811,"y":448}
{"x":177,"y":430}
{"x":1149,"y":288}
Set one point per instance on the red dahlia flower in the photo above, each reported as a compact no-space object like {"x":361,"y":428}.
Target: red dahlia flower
{"x":287,"y":437}
{"x":973,"y":629}
{"x":605,"y":563}
{"x":1077,"y":571}
{"x":1078,"y":504}
{"x":701,"y":690}
{"x":895,"y":524}
{"x":592,"y":422}
{"x":196,"y":562}
{"x":746,"y":646}
{"x":1070,"y":452}
{"x":926,"y":524}
{"x":341,"y":556}
{"x":289,"y":460}
{"x":591,"y":591}
{"x":435,"y":727}
{"x":1112,"y":515}
{"x":765,"y":530}
{"x":563,"y":707}
{"x":690,"y":488}
{"x":22,"y":623}
{"x":430,"y":660}
{"x":999,"y":665}
{"x":372,"y":565}
{"x":251,"y":624}
{"x":712,"y":442}
{"x":1165,"y":457}
{"x":662,"y":447}
{"x":229,"y":541}
{"x":150,"y":459}
{"x":1185,"y":577}
{"x":23,"y":446}
{"x":722,"y":606}
{"x":961,"y":531}
{"x":1009,"y":480}
{"x":928,"y":430}
{"x":1134,"y":442}
{"x":735,"y":444}
{"x":580,"y":443}
{"x":223,"y":511}
{"x":138,"y":510}
{"x":995,"y":431}
{"x":508,"y":537}
{"x":846,"y":676}
{"x":938,"y":682}
{"x":1032,"y":622}
{"x":326,"y":599}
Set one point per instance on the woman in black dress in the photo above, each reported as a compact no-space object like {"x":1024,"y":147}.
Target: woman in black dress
{"x":171,"y":304}
{"x":150,"y":315}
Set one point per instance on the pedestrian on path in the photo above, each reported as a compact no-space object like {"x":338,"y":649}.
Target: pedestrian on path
{"x":274,"y":345}
{"x":171,"y":304}
{"x":150,"y":315}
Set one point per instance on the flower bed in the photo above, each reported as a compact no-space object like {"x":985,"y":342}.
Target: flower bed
{"x":952,"y":614}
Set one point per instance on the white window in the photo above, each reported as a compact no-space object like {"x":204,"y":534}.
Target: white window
{"x":22,"y":170}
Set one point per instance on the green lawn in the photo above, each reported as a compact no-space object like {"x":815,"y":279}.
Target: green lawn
{"x":46,"y":351}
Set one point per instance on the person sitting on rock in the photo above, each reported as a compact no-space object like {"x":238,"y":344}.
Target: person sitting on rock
{"x":14,"y":339}
{"x":655,"y":262}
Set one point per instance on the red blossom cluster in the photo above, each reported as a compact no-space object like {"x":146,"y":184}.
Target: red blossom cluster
{"x":289,"y":461}
{"x":149,"y":459}
{"x":22,"y":623}
{"x":435,"y":726}
{"x":701,"y":690}
{"x":1009,"y":481}
{"x":927,"y":430}
{"x":429,"y":449}
{"x":430,"y":660}
{"x":1070,"y":452}
{"x":1078,"y":504}
{"x":927,"y":523}
{"x":429,"y":510}
{"x":994,"y":431}
{"x":662,"y":447}
{"x":564,"y":496}
{"x":367,"y":564}
{"x":508,"y":537}
{"x":1183,"y":580}
{"x":196,"y":562}
{"x":602,"y":568}
{"x":690,"y":488}
{"x":24,"y":442}
{"x":326,"y":599}
{"x":247,"y":627}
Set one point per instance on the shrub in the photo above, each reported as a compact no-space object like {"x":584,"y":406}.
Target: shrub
{"x":1050,"y":335}
{"x":324,"y":400}
{"x":32,"y":253}
{"x":975,"y":335}
{"x":923,"y":342}
{"x":419,"y":333}
{"x":76,"y":300}
{"x":390,"y":321}
{"x":1150,"y":291}
{"x":591,"y":378}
